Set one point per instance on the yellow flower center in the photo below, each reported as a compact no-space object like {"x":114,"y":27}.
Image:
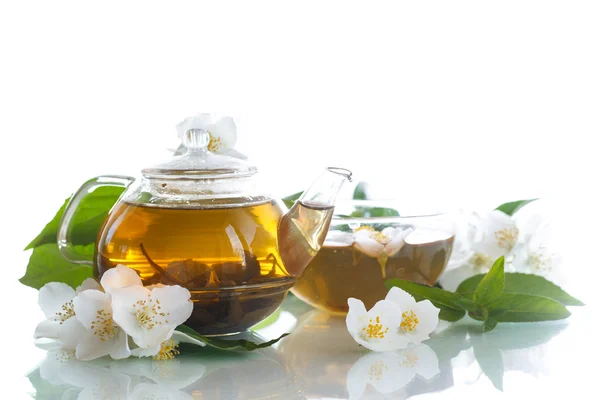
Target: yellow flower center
{"x":541,"y":261}
{"x":214,"y":144}
{"x":147,"y":311}
{"x":103,"y":326}
{"x":409,"y":321}
{"x":374,"y":330}
{"x":67,"y":312}
{"x":168,"y":350}
{"x":507,"y":237}
{"x":480,"y":261}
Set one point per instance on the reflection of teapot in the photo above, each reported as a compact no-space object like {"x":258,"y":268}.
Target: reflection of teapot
{"x":198,"y":221}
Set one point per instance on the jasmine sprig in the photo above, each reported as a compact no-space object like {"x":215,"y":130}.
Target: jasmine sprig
{"x":496,"y":297}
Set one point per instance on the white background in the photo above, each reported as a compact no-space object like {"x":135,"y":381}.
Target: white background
{"x":451,"y":103}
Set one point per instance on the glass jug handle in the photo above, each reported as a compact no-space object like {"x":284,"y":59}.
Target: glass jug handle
{"x":64,"y":244}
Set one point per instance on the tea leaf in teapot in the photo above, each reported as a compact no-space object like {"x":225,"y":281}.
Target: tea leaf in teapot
{"x":47,"y":265}
{"x":88,"y":218}
{"x":225,"y":344}
{"x":512,"y":207}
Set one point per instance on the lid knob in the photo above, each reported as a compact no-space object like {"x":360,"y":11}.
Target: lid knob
{"x":196,"y":139}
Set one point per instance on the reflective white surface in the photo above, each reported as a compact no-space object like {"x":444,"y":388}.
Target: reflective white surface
{"x":319,"y":360}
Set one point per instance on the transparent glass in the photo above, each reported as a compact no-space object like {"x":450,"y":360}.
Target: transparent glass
{"x":366,"y":245}
{"x":198,"y":221}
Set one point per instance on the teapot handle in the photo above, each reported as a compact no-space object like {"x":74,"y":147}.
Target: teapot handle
{"x":64,"y":244}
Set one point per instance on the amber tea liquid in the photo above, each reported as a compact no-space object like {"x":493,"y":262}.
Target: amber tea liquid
{"x":337,"y":273}
{"x":233,"y":260}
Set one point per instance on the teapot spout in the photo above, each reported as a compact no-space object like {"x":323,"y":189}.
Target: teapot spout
{"x":303,"y":229}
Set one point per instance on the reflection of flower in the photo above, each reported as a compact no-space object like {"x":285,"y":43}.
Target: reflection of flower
{"x":392,"y":371}
{"x":222,"y":131}
{"x":393,"y":322}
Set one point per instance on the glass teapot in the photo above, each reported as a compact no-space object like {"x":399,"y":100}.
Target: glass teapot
{"x":198,"y":221}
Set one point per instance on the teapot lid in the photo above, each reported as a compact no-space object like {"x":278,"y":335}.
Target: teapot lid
{"x":198,"y":162}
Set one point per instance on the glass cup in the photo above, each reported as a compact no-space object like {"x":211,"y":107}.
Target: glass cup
{"x":369,"y":242}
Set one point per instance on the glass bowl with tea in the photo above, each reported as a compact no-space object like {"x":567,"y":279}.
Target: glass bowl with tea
{"x":369,"y":242}
{"x":199,"y":221}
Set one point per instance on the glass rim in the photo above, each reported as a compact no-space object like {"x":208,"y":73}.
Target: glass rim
{"x":393,"y":204}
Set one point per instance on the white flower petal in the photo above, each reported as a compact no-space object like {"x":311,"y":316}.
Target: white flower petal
{"x":124,"y":302}
{"x":500,"y":234}
{"x":391,"y":232}
{"x":52,"y":296}
{"x":400,"y":297}
{"x":450,"y":279}
{"x":338,"y":239}
{"x":90,"y":347}
{"x":377,"y":330}
{"x":427,"y":315}
{"x":175,"y":302}
{"x":225,"y":130}
{"x":70,"y":332}
{"x":199,"y":121}
{"x":88,"y":304}
{"x":88,"y":284}
{"x":120,"y":348}
{"x":356,"y":313}
{"x":47,"y":329}
{"x":428,"y":363}
{"x":119,"y":277}
{"x":368,"y":246}
{"x":396,"y":244}
{"x":145,"y":352}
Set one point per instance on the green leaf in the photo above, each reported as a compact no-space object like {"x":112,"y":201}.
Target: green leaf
{"x":449,"y":314}
{"x":519,"y":307}
{"x":466,"y":304}
{"x":489,"y":324}
{"x":47,"y":265}
{"x":360,"y":192}
{"x":88,"y":218}
{"x":291,"y":199}
{"x":491,"y":286}
{"x":516,"y":282}
{"x":437,"y":296}
{"x":224,"y":344}
{"x":48,"y":234}
{"x":512,"y":207}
